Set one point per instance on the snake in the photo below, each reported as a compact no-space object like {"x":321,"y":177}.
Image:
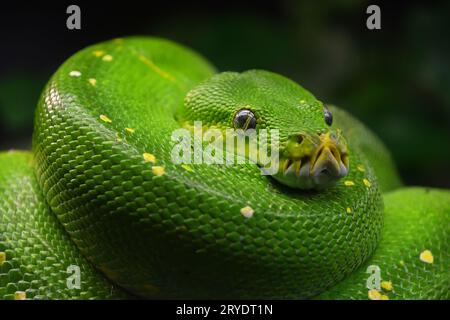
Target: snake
{"x":99,"y":209}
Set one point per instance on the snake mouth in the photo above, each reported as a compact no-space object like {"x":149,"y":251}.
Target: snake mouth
{"x":319,"y":168}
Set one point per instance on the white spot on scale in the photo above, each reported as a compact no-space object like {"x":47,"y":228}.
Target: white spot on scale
{"x":75,"y":73}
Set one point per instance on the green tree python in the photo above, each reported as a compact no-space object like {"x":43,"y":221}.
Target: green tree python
{"x":99,"y":197}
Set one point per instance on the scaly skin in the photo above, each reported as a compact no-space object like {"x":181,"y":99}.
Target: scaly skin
{"x":159,"y":229}
{"x":416,"y":219}
{"x":37,"y":250}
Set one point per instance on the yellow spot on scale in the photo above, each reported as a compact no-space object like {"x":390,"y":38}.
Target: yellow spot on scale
{"x":93,"y":82}
{"x":349,"y":183}
{"x":105,"y":118}
{"x":107,"y":58}
{"x":367,"y":183}
{"x":361,"y":168}
{"x":118,"y":138}
{"x":402,"y":263}
{"x":75,"y":73}
{"x":247,"y":211}
{"x":374,"y":294}
{"x":98,"y":53}
{"x":148,"y":157}
{"x":187,"y":167}
{"x":384,"y":297}
{"x":2,"y":257}
{"x":20,"y":295}
{"x":156,"y":69}
{"x":349,"y":210}
{"x":158,"y":171}
{"x":426,"y":256}
{"x":386,"y":285}
{"x":129,"y":130}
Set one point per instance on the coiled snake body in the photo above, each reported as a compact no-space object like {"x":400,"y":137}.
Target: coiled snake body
{"x":101,"y":193}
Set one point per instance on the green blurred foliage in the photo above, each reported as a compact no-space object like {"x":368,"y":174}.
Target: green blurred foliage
{"x":396,"y":79}
{"x":19,"y":92}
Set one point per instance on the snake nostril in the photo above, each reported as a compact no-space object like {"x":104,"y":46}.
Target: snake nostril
{"x":299,"y":139}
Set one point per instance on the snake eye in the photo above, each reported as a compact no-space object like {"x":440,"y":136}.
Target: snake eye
{"x":244,"y":119}
{"x":328,"y":116}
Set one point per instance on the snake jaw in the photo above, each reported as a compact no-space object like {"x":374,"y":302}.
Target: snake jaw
{"x":318,"y":168}
{"x":292,"y":167}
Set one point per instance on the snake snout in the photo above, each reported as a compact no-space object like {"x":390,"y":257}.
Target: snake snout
{"x":330,"y":161}
{"x":313,"y":161}
{"x":328,"y":166}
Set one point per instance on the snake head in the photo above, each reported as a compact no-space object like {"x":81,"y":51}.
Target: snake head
{"x":311,"y":153}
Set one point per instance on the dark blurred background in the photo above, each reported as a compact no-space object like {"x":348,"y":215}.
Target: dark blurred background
{"x":397,"y":79}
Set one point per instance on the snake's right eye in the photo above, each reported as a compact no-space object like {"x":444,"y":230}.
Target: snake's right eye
{"x":244,"y":119}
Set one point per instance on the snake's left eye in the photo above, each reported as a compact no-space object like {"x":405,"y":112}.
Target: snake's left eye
{"x":328,"y":116}
{"x":244,"y":119}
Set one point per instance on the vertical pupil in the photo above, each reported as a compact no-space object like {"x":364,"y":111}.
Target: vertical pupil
{"x":242,"y":119}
